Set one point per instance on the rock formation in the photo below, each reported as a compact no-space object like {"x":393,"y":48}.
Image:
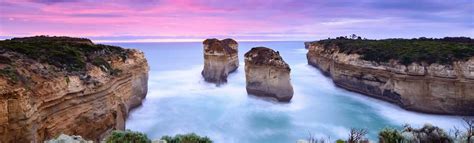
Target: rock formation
{"x":267,"y":75}
{"x":68,"y":139}
{"x":220,"y":58}
{"x":426,"y":134}
{"x":307,"y":44}
{"x":61,"y":85}
{"x":434,"y":88}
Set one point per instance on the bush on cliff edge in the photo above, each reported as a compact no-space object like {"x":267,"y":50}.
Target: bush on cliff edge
{"x":127,"y":137}
{"x":186,"y":138}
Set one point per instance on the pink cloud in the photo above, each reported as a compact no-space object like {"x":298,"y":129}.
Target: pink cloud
{"x":201,"y":18}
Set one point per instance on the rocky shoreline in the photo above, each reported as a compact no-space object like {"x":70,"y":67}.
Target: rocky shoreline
{"x":41,"y":99}
{"x":430,"y":88}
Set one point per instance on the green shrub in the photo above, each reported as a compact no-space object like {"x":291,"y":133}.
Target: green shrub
{"x":406,"y":51}
{"x":101,"y":63}
{"x":127,"y":137}
{"x":390,"y":135}
{"x":340,"y":141}
{"x":10,"y":73}
{"x":115,"y":72}
{"x":186,"y":138}
{"x":67,"y":53}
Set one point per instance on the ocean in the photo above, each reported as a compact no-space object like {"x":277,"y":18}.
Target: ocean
{"x":179,"y":101}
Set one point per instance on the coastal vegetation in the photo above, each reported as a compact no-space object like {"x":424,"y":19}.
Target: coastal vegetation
{"x":407,"y":134}
{"x":10,"y":73}
{"x":70,"y":54}
{"x":127,"y":136}
{"x":429,"y":50}
{"x":426,"y":134}
{"x":186,"y":138}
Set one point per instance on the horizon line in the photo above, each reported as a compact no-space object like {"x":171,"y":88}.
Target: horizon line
{"x":188,"y":40}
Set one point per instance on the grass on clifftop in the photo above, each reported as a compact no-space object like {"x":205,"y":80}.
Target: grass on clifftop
{"x":186,"y":138}
{"x":67,"y":53}
{"x":127,"y":136}
{"x":406,"y":51}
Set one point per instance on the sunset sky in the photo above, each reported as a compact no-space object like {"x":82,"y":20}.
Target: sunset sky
{"x":188,"y":20}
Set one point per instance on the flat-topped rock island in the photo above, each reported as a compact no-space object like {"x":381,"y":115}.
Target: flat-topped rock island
{"x":267,"y":74}
{"x":220,"y":59}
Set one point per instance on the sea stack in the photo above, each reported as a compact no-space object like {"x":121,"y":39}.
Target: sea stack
{"x":267,"y":75}
{"x":220,"y":59}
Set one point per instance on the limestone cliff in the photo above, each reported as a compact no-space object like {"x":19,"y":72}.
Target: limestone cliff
{"x":60,"y":85}
{"x":220,"y":59}
{"x":267,"y":74}
{"x":307,"y":44}
{"x":431,"y":88}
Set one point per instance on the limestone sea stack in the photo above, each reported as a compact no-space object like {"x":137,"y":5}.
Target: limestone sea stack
{"x":267,"y":74}
{"x":62,"y":85}
{"x":220,"y":59}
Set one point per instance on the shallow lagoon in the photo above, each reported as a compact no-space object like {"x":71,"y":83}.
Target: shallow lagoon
{"x":179,"y":101}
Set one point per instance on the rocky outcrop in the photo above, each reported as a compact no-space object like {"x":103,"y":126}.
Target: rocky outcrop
{"x":220,"y":59}
{"x":267,"y":75}
{"x":434,"y":88}
{"x":68,"y":139}
{"x":41,"y":99}
{"x":426,"y":134}
{"x":307,"y":44}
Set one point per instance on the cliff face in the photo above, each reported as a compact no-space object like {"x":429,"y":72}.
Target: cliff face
{"x":267,"y":75}
{"x":39,"y":100}
{"x":434,"y":88}
{"x":220,"y":59}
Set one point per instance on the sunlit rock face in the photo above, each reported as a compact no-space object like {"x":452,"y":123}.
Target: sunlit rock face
{"x":267,"y":74}
{"x":40,"y":101}
{"x":220,"y":59}
{"x":431,"y":88}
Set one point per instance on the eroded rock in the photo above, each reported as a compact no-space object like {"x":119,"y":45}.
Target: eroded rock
{"x":40,"y":101}
{"x":267,"y":74}
{"x":220,"y":59}
{"x":68,"y":139}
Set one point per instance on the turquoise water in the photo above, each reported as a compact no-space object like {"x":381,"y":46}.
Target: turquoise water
{"x":179,"y":101}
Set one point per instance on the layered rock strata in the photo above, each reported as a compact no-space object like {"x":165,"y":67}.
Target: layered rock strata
{"x":434,"y":88}
{"x":41,"y":99}
{"x":267,"y":74}
{"x":220,"y":59}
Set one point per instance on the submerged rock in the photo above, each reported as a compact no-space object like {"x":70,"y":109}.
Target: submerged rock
{"x":267,"y":75}
{"x":220,"y":58}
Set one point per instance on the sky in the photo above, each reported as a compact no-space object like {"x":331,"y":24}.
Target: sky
{"x":252,"y":20}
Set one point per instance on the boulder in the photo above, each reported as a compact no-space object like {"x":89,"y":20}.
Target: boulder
{"x":68,"y":139}
{"x":267,"y":74}
{"x":220,"y":59}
